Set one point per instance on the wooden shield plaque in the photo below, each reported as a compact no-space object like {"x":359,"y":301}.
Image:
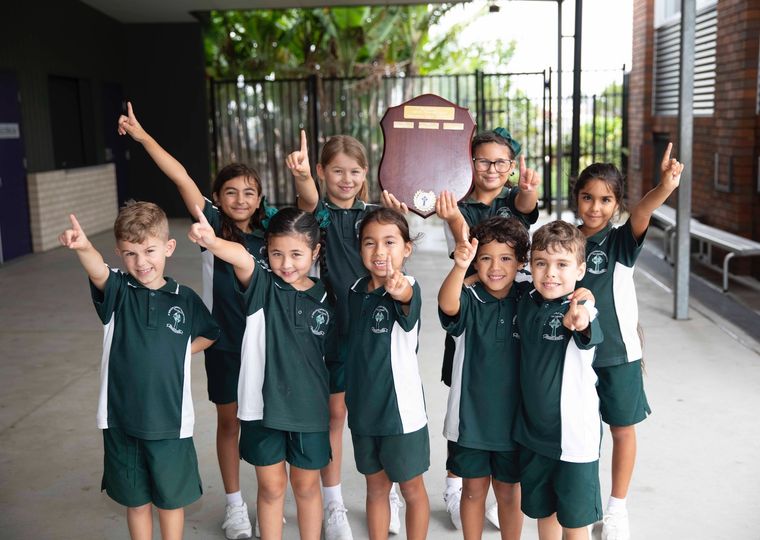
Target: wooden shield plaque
{"x":427,"y":150}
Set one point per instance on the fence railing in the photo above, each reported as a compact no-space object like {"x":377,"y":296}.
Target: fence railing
{"x":258,"y":121}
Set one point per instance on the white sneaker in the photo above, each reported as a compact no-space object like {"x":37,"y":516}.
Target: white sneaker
{"x":492,"y":515}
{"x":396,"y":505}
{"x":236,"y":522}
{"x":336,"y":522}
{"x":452,"y":498}
{"x":615,"y":526}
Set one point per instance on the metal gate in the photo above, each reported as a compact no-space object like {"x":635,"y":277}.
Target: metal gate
{"x":258,"y":121}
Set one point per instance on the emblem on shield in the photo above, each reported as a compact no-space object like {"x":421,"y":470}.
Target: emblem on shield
{"x":427,"y":150}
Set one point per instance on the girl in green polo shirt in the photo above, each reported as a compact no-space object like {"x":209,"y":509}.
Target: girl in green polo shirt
{"x":611,"y":254}
{"x":283,"y":390}
{"x":236,"y":215}
{"x":342,"y":171}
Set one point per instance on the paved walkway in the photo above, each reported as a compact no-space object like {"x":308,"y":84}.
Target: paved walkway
{"x":699,"y":453}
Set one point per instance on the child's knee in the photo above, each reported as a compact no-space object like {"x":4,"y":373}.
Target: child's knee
{"x":273,"y":489}
{"x":413,"y":490}
{"x":507,"y":494}
{"x":306,"y":487}
{"x":475,"y":488}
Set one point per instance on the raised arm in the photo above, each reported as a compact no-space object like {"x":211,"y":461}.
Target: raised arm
{"x":451,"y":288}
{"x":202,"y":233}
{"x":306,"y":188}
{"x":89,"y":257}
{"x":447,"y":209}
{"x":188,"y":190}
{"x":527,"y":196}
{"x":670,"y":178}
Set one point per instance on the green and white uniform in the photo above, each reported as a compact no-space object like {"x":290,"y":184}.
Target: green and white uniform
{"x":219,"y":283}
{"x":559,"y":412}
{"x":343,"y":258}
{"x":485,"y":387}
{"x":384,"y":393}
{"x":145,"y":368}
{"x":289,"y":336}
{"x":610,"y":258}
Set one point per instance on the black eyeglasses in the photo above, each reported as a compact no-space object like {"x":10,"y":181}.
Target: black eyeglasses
{"x":502,"y":165}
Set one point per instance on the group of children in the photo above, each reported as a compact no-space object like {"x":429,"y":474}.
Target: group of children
{"x":531,"y":364}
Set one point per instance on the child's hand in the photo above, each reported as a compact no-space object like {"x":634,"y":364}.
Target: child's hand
{"x":201,"y":233}
{"x":389,"y":200}
{"x":128,"y":125}
{"x":582,"y":294}
{"x":74,"y":238}
{"x":576,"y":318}
{"x":298,"y":162}
{"x":671,"y":170}
{"x":395,"y":283}
{"x":447,"y":209}
{"x":529,"y":179}
{"x":465,"y":251}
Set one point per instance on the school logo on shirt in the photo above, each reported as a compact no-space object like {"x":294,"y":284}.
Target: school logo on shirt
{"x":504,"y":211}
{"x":554,"y":323}
{"x":381,"y":317}
{"x":357,"y":224}
{"x":261,"y":259}
{"x":177,"y":317}
{"x":515,"y":333}
{"x":596,"y":262}
{"x":319,"y":320}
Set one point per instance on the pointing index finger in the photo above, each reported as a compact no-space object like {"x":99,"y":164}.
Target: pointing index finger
{"x":522,"y":166}
{"x":201,"y":217}
{"x":304,"y":142}
{"x":130,"y":112}
{"x":74,"y":223}
{"x":388,"y":267}
{"x":666,"y":155}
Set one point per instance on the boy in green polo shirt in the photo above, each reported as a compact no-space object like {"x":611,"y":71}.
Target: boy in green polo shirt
{"x":485,"y":390}
{"x":151,"y":326}
{"x":558,"y":425}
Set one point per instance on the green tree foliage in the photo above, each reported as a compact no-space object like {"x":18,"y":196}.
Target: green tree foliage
{"x":359,"y":42}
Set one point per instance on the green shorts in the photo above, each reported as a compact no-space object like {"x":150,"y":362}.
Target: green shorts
{"x":622,"y":400}
{"x":402,"y":457}
{"x":475,"y":463}
{"x":262,"y":446}
{"x":138,"y":471}
{"x":222,"y":372}
{"x":569,"y":489}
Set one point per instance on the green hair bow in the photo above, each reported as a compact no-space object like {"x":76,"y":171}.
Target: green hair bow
{"x":507,"y":136}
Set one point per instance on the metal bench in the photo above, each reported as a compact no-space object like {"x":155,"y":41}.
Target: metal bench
{"x":707,"y":236}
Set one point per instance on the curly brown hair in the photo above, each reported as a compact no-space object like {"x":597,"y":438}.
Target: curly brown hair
{"x":504,"y":231}
{"x":139,"y":219}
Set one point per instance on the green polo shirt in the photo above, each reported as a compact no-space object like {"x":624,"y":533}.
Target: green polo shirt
{"x":559,"y":414}
{"x":145,"y":369}
{"x":342,"y":252}
{"x":219,"y":283}
{"x":485,"y":386}
{"x":289,"y":336}
{"x":383,"y":387}
{"x":610,"y":259}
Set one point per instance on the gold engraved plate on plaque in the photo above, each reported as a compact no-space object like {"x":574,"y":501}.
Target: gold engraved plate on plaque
{"x":427,"y":125}
{"x":426,"y":112}
{"x":453,"y":126}
{"x":403,"y":125}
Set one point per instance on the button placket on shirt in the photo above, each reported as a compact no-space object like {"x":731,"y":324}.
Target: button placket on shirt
{"x":152,"y":309}
{"x":300,"y":308}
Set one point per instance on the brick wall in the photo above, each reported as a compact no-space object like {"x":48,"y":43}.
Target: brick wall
{"x":733,"y":131}
{"x":89,"y":193}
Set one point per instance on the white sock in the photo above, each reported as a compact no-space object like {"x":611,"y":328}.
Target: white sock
{"x":332,"y":493}
{"x":234,"y":499}
{"x":453,"y":484}
{"x":393,"y":489}
{"x":615,"y":505}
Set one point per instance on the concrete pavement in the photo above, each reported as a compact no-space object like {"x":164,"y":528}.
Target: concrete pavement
{"x":697,"y":471}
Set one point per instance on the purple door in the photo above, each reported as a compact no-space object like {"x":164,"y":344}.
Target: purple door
{"x":15,"y":234}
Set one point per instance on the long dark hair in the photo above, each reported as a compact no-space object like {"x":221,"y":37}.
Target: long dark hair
{"x":230,"y":230}
{"x":607,"y":173}
{"x":293,"y":221}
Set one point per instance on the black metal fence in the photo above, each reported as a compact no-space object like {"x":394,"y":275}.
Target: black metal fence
{"x":258,"y":122}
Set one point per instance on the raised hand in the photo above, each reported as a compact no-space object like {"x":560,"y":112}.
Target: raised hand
{"x":389,"y":200}
{"x":529,"y":179}
{"x":128,"y":125}
{"x":446,"y":207}
{"x":395,"y":283}
{"x":670,"y":170}
{"x":74,"y":238}
{"x":576,"y":318}
{"x":465,"y":250}
{"x":298,"y":161}
{"x":582,"y":294}
{"x":201,"y":233}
